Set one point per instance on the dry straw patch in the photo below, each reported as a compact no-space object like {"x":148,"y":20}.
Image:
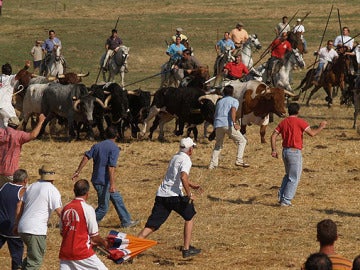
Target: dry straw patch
{"x":238,"y":225}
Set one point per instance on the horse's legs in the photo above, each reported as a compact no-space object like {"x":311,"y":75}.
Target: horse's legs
{"x":313,"y":91}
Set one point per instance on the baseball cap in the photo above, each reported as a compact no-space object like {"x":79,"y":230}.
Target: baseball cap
{"x":187,"y":143}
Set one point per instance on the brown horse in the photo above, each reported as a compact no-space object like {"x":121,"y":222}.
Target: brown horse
{"x":333,"y":76}
{"x":296,"y":42}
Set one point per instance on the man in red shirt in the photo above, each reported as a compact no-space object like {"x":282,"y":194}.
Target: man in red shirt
{"x":279,"y":47}
{"x":235,"y":70}
{"x":11,"y":141}
{"x":291,"y":130}
{"x":80,"y":232}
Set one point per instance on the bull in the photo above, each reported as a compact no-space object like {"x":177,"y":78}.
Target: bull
{"x":256,"y":101}
{"x":71,"y":102}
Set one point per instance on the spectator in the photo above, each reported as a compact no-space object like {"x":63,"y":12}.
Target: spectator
{"x":11,"y":141}
{"x":112,"y":45}
{"x":291,"y":130}
{"x":239,"y":35}
{"x":278,"y":48}
{"x":40,"y":200}
{"x":170,"y":197}
{"x":326,"y":55}
{"x":327,"y":235}
{"x":179,"y":33}
{"x":299,"y":29}
{"x":318,"y":261}
{"x":235,"y":70}
{"x":105,"y":155}
{"x":282,"y":27}
{"x":10,"y":194}
{"x":79,"y":231}
{"x":226,"y":123}
{"x":356,"y":263}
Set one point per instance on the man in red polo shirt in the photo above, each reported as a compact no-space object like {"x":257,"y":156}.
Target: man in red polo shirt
{"x":11,"y":141}
{"x":80,"y":232}
{"x":235,"y":70}
{"x":279,"y":47}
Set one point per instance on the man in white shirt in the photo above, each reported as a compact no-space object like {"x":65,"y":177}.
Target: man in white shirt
{"x":300,"y":29}
{"x":326,"y":54}
{"x":282,"y":26}
{"x":170,"y":197}
{"x":39,"y":201}
{"x":344,"y":39}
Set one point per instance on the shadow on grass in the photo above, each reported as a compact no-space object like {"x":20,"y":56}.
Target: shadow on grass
{"x":237,"y":201}
{"x":338,"y":212}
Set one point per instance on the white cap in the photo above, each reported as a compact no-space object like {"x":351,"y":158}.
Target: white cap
{"x":298,"y":20}
{"x":179,"y":29}
{"x":187,"y":143}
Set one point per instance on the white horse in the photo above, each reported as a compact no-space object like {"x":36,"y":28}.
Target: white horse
{"x":281,"y":71}
{"x":117,"y":65}
{"x":55,"y":63}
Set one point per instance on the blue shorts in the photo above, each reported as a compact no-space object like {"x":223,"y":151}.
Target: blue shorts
{"x":37,"y":64}
{"x":163,"y":207}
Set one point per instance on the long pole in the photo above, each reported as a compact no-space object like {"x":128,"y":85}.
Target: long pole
{"x":152,"y":76}
{"x":342,"y":38}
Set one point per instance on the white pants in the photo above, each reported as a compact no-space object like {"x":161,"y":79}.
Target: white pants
{"x":92,"y":262}
{"x":233,"y":134}
{"x":5,"y":114}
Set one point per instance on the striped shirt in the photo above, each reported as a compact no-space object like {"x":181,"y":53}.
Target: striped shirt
{"x":339,"y":262}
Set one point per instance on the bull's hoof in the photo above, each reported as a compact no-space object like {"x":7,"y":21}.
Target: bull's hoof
{"x":178,"y":133}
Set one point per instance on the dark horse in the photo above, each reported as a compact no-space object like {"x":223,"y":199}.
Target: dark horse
{"x":334,"y":75}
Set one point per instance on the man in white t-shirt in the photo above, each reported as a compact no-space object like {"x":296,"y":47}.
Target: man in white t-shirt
{"x":344,"y":39}
{"x":39,"y":201}
{"x":300,"y":29}
{"x":326,"y":55}
{"x":282,"y":26}
{"x":170,"y":197}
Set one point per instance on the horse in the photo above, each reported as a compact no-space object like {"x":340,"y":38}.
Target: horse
{"x":246,"y":54}
{"x":54,"y":63}
{"x":334,"y":75}
{"x":116,"y":65}
{"x":281,"y":69}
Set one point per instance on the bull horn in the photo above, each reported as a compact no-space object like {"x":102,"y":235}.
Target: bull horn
{"x":83,"y":75}
{"x":34,"y":75}
{"x":98,"y":100}
{"x":289,"y":93}
{"x":107,"y":100}
{"x":61,"y":76}
{"x":131,"y":92}
{"x":107,"y":92}
{"x":76,"y":103}
{"x":51,"y":78}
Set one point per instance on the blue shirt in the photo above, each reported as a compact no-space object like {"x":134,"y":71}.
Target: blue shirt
{"x":175,"y":52}
{"x":105,"y":155}
{"x":223,"y":111}
{"x":223,"y":43}
{"x":49,"y":44}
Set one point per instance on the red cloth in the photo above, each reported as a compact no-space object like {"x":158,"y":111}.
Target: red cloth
{"x":279,"y":48}
{"x":76,"y":240}
{"x":11,"y":141}
{"x":236,"y":70}
{"x":292,"y":129}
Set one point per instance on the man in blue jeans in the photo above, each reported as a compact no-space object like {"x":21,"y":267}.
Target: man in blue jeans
{"x":105,"y":155}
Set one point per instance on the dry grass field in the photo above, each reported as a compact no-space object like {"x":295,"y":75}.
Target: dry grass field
{"x":239,"y":224}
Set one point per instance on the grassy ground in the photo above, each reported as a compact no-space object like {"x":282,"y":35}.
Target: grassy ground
{"x":238,"y":224}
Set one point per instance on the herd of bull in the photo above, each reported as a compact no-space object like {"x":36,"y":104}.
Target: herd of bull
{"x":83,"y":108}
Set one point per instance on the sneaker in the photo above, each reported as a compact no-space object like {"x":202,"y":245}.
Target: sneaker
{"x":283,"y":204}
{"x":242,"y":164}
{"x":132,"y":223}
{"x":212,"y":167}
{"x":192,"y":251}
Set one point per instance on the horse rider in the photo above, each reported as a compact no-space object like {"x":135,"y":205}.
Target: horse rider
{"x":224,"y":44}
{"x":282,"y":26}
{"x":278,"y":48}
{"x":49,"y":45}
{"x":112,"y":45}
{"x":178,"y":33}
{"x":175,"y":51}
{"x":239,"y":35}
{"x":186,"y":65}
{"x":326,"y":55}
{"x":299,"y":29}
{"x":344,"y":40}
{"x":235,"y":70}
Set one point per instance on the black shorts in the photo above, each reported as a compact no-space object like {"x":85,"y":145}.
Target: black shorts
{"x":37,"y":64}
{"x":163,"y":207}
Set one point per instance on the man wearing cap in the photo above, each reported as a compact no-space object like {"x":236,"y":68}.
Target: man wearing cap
{"x":239,"y":35}
{"x":10,"y":194}
{"x":299,"y":29}
{"x":170,"y":197}
{"x":179,"y":34}
{"x":235,"y":70}
{"x":34,"y":210}
{"x":226,"y":123}
{"x":80,"y":231}
{"x":11,"y":141}
{"x":105,"y":155}
{"x":112,"y":45}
